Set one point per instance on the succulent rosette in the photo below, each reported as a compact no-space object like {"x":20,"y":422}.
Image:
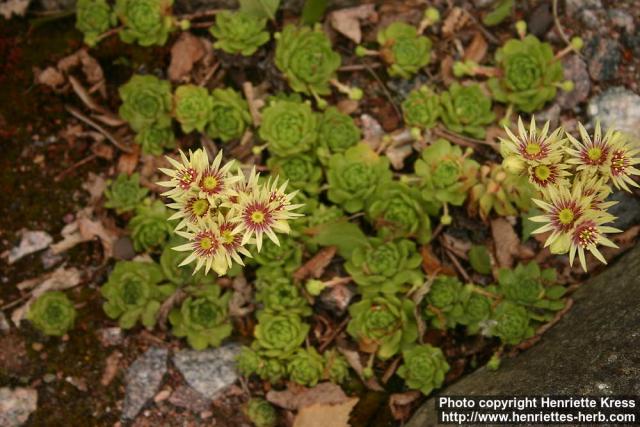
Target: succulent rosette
{"x":229,"y":115}
{"x":477,"y":309}
{"x":238,"y":32}
{"x":398,"y":210}
{"x":261,"y":413}
{"x":305,"y":57}
{"x":282,"y":296}
{"x":499,"y":191}
{"x":133,"y":294}
{"x":150,"y":227}
{"x":385,"y":266}
{"x":93,"y":18}
{"x":337,"y":133}
{"x":301,"y":171}
{"x":423,"y":368}
{"x":248,"y":361}
{"x":279,"y":335}
{"x":146,"y":101}
{"x":272,"y":370}
{"x":306,"y":367}
{"x":446,"y":174}
{"x":154,"y":139}
{"x":467,"y":110}
{"x":523,"y":284}
{"x":124,"y":194}
{"x":403,"y":49}
{"x":383,"y":325}
{"x":513,"y":324}
{"x":530,"y":74}
{"x":337,"y":367}
{"x":52,"y":313}
{"x":422,"y":108}
{"x":287,"y":254}
{"x":203,"y":318}
{"x":444,"y":302}
{"x":147,"y":22}
{"x":192,"y":107}
{"x":289,"y":127}
{"x":355,"y":175}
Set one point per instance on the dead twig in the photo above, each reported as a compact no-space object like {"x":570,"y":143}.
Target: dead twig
{"x":458,"y":266}
{"x":465,"y":141}
{"x":73,"y":167}
{"x":198,"y":15}
{"x":78,"y":115}
{"x":254,"y":109}
{"x":334,"y":334}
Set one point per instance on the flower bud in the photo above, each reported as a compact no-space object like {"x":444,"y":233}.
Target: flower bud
{"x":577,"y":43}
{"x":184,"y":24}
{"x":432,"y":14}
{"x":521,"y":28}
{"x":561,"y":245}
{"x":446,"y":220}
{"x":567,"y":85}
{"x":315,"y":287}
{"x":356,"y":94}
{"x":513,"y":164}
{"x":361,"y":51}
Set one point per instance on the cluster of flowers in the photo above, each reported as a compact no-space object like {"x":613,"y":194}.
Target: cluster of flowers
{"x":573,"y":177}
{"x":221,"y":213}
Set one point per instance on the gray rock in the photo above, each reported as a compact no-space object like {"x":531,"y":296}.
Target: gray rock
{"x":143,"y":380}
{"x":186,"y":397}
{"x":593,"y":350}
{"x":575,"y":69}
{"x":617,"y":107}
{"x":31,"y":241}
{"x":209,"y":371}
{"x":574,"y":6}
{"x":123,"y":249}
{"x":604,"y":54}
{"x":591,"y":18}
{"x":336,"y":299}
{"x":550,"y":114}
{"x":110,"y":336}
{"x":16,"y":405}
{"x":622,"y":19}
{"x":627,"y":210}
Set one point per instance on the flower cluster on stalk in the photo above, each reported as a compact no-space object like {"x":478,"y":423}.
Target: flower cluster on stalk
{"x":222,"y":212}
{"x":573,"y":176}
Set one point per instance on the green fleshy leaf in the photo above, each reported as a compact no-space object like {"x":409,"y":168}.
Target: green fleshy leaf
{"x":260,"y":8}
{"x":479,"y":259}
{"x":346,"y":236}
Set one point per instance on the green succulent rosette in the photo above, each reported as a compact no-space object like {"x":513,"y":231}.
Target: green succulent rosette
{"x":192,"y":107}
{"x":154,"y":139}
{"x":282,"y":296}
{"x":467,"y":110}
{"x":306,"y":367}
{"x":93,"y":18}
{"x":289,"y":127}
{"x":423,"y":368}
{"x":287,"y":255}
{"x":203,"y":318}
{"x":513,"y":324}
{"x":336,"y":366}
{"x":133,"y":294}
{"x":504,"y":193}
{"x":355,"y":175}
{"x":477,"y":309}
{"x":146,"y":101}
{"x":522,"y":285}
{"x":397,"y":210}
{"x":150,"y":227}
{"x":124,"y":194}
{"x":272,"y":370}
{"x":403,"y":49}
{"x":261,"y":413}
{"x":52,"y":313}
{"x":421,"y":108}
{"x":247,"y":361}
{"x":306,"y":59}
{"x":385,"y":266}
{"x":529,"y":74}
{"x":383,"y":325}
{"x":446,"y":175}
{"x":337,"y":133}
{"x":279,"y":334}
{"x":238,"y":32}
{"x":229,"y":115}
{"x":444,"y":302}
{"x":146,"y":22}
{"x":301,"y":171}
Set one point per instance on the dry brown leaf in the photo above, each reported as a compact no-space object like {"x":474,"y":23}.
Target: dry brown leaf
{"x":127,"y":162}
{"x":353,"y":358}
{"x":240,"y":303}
{"x":51,"y":77}
{"x":347,"y":21}
{"x":83,"y":229}
{"x":111,"y":368}
{"x":94,"y":185}
{"x":9,"y":8}
{"x":477,"y":49}
{"x":507,"y":243}
{"x":185,"y":52}
{"x":316,"y":265}
{"x":430,"y":263}
{"x":455,"y":21}
{"x":446,"y":70}
{"x":400,"y":404}
{"x":320,"y":415}
{"x":296,"y":396}
{"x":347,"y":106}
{"x":397,"y":154}
{"x":104,"y":151}
{"x":372,"y":131}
